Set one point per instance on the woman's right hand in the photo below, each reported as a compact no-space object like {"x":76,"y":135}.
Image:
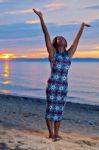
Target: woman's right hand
{"x":38,"y":13}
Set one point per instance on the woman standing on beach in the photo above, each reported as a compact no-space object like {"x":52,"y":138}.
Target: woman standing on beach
{"x":57,"y":84}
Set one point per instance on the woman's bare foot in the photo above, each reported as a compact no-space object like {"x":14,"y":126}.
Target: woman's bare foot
{"x":56,"y":138}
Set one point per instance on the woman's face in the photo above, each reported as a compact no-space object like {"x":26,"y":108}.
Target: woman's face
{"x":61,"y":41}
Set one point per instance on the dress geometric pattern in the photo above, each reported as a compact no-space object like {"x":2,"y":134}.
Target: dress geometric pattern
{"x":57,"y":86}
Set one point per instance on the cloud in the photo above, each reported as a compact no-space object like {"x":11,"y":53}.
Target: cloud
{"x":2,"y":1}
{"x":96,"y":7}
{"x":25,"y":11}
{"x":54,"y":6}
{"x":29,"y":36}
{"x":32,"y":21}
{"x":50,"y":7}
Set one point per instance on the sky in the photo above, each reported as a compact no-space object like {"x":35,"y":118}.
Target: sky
{"x":21,"y":34}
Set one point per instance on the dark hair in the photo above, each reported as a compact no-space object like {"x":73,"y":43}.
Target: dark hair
{"x":54,"y":43}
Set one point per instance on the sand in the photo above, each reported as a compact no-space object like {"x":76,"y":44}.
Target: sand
{"x":23,"y":127}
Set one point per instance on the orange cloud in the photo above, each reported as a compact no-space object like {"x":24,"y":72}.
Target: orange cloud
{"x":54,"y":6}
{"x":43,"y":54}
{"x":51,"y":6}
{"x":26,"y":11}
{"x":32,"y":21}
{"x":97,"y":47}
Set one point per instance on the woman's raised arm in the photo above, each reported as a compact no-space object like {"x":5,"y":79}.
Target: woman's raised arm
{"x":74,"y":45}
{"x":49,"y":45}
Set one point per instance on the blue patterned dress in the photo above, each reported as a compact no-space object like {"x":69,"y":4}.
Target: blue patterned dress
{"x":57,"y":86}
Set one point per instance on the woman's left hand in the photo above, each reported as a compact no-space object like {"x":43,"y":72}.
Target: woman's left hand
{"x":87,"y":25}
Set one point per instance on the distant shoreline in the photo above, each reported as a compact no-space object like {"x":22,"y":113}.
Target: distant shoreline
{"x":46,"y":59}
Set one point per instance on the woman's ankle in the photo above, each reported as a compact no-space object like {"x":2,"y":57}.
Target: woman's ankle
{"x":51,"y":135}
{"x":56,"y":134}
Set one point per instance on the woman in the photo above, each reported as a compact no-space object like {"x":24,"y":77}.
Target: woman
{"x":57,"y":85}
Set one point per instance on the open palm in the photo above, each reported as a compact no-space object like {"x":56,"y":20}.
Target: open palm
{"x":38,"y":12}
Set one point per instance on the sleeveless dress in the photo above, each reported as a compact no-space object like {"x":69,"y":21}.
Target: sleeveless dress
{"x":57,"y":86}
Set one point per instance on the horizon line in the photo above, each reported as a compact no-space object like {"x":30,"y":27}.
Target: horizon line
{"x":46,"y":58}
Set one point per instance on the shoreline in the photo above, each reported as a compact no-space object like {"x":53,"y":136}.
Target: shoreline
{"x":43,"y":99}
{"x":23,"y":126}
{"x":74,"y":113}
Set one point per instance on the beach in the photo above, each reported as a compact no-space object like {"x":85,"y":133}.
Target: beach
{"x":49,"y":50}
{"x":23,"y":127}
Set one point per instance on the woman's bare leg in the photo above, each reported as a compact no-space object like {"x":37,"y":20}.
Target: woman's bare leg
{"x":56,"y":128}
{"x":50,"y":128}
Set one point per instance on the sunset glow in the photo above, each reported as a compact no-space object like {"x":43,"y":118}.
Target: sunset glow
{"x":21,"y":32}
{"x":87,"y":54}
{"x":44,"y":54}
{"x":7,"y":55}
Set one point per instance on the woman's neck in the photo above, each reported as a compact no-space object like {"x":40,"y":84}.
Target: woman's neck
{"x":61,"y":49}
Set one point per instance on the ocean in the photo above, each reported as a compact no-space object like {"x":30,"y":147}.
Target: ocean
{"x":28,"y":77}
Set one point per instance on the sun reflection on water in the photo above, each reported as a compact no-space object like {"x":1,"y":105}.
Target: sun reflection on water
{"x":6,"y":75}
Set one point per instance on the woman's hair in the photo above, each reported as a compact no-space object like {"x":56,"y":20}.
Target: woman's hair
{"x":55,"y":44}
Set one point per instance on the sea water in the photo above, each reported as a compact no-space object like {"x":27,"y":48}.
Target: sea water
{"x":24,"y":77}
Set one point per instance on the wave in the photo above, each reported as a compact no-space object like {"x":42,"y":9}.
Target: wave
{"x":77,"y":99}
